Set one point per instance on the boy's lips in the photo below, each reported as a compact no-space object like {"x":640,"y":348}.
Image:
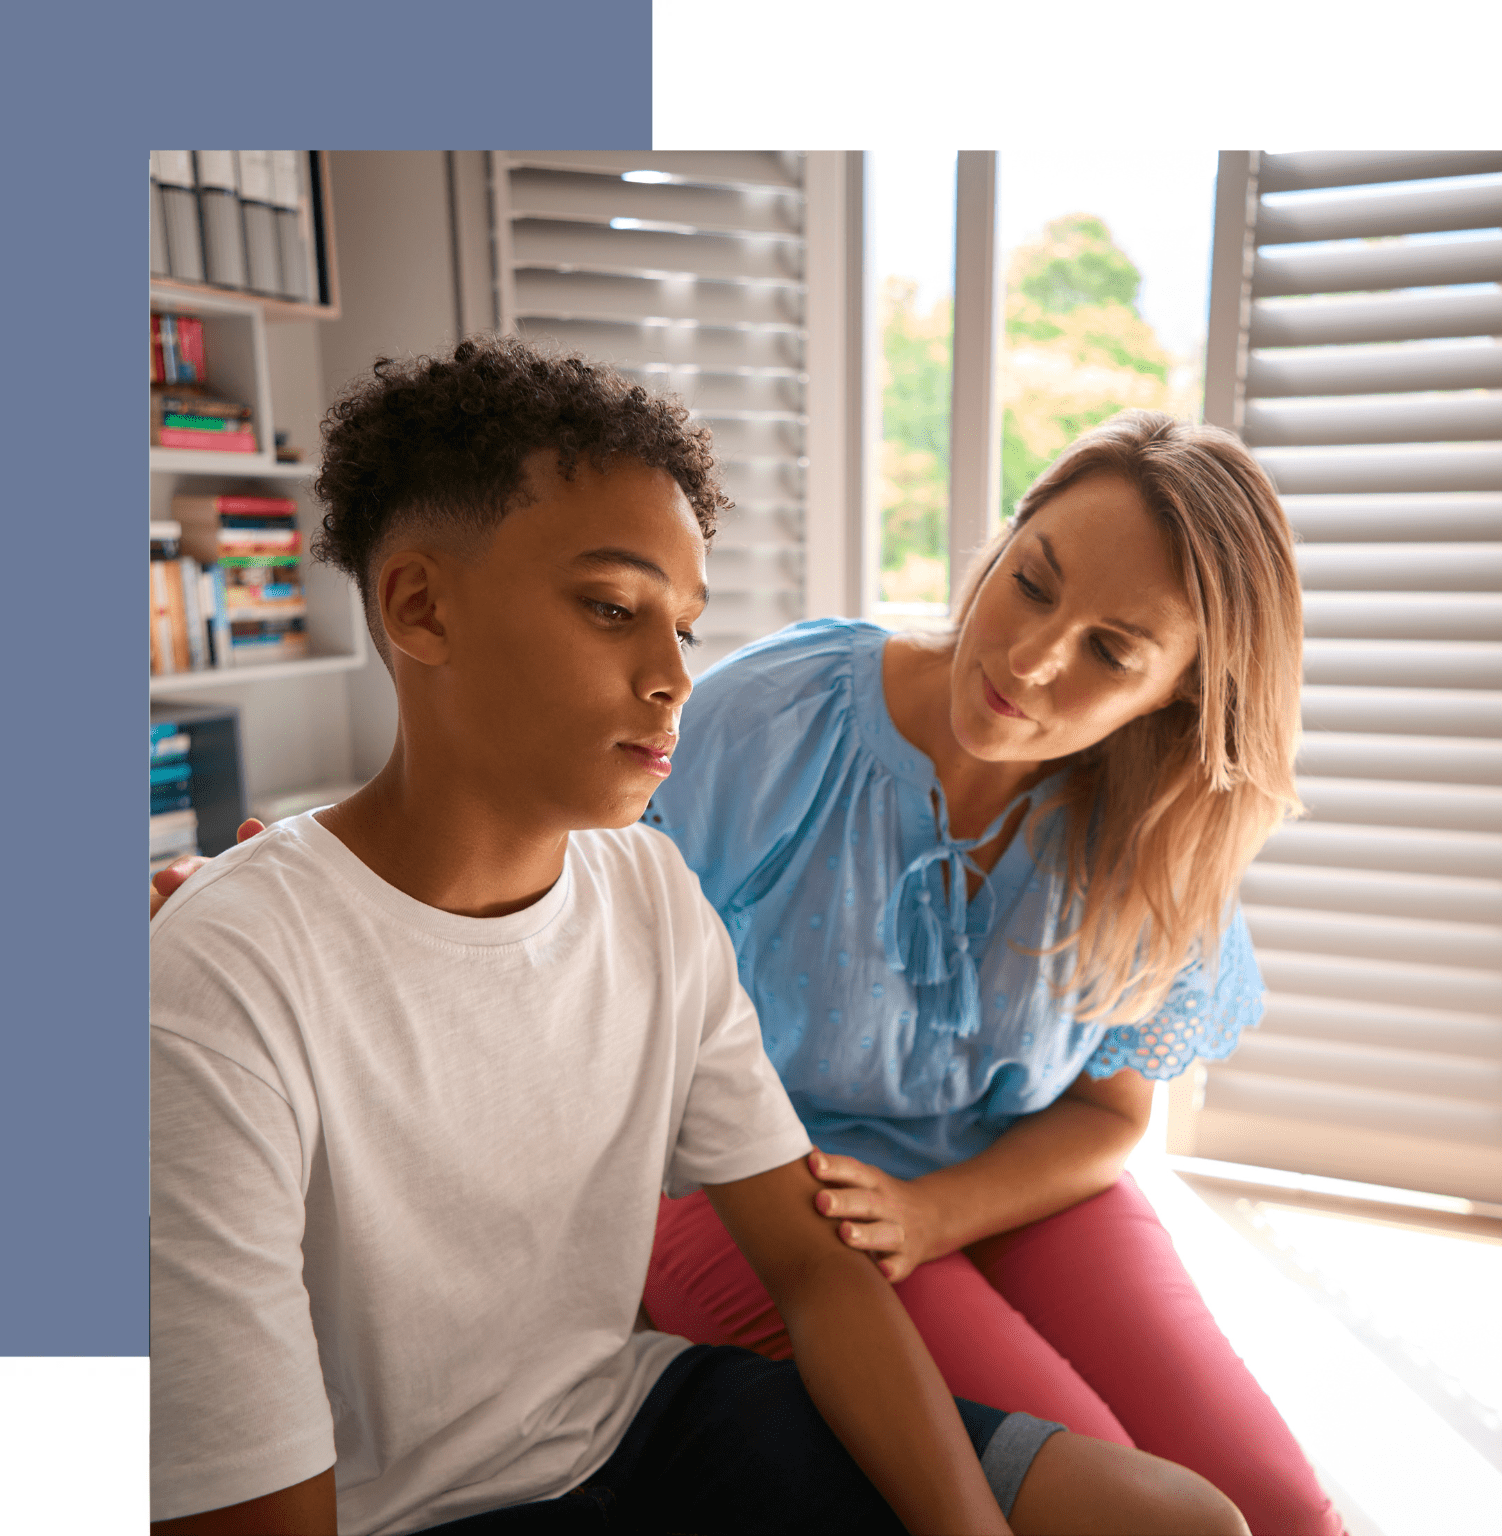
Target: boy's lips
{"x":652,"y":755}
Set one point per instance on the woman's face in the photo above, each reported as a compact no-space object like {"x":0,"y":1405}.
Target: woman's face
{"x":1080,"y":627}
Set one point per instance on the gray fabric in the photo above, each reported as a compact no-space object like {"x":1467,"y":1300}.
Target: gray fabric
{"x":1010,"y":1453}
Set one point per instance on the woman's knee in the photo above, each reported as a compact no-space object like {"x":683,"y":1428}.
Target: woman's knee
{"x":1079,"y":1486}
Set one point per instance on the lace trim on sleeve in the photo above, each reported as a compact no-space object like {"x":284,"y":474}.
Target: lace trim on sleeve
{"x":1195,"y":1021}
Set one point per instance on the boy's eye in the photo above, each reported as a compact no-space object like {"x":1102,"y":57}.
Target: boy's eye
{"x":610,"y":611}
{"x":688,"y":639}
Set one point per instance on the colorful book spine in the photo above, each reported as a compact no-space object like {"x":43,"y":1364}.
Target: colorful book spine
{"x":180,"y":421}
{"x":218,"y":442}
{"x":223,"y":639}
{"x":169,"y":619}
{"x":169,"y":744}
{"x":198,"y":508}
{"x":177,"y":350}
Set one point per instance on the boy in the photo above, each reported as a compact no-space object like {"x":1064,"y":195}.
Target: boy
{"x":421,"y":1061}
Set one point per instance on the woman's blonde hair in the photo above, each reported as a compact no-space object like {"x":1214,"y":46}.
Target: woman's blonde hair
{"x":1165,"y":814}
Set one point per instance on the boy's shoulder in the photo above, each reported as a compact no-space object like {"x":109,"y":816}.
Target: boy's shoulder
{"x":271,"y":869}
{"x":638,"y":859}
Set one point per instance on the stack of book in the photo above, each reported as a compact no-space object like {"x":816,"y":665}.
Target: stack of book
{"x":189,"y":630}
{"x":184,"y":413}
{"x":174,"y":822}
{"x":254,"y":546}
{"x":177,"y":349}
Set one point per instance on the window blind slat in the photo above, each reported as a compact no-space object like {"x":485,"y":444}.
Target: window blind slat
{"x":1428,"y":897}
{"x":1451,"y":988}
{"x":1404,"y":711}
{"x":763,"y":483}
{"x":1396,"y":803}
{"x":1422,"y":1072}
{"x":1369,"y":936}
{"x":1383,"y":468}
{"x":1374,"y":419}
{"x":540,"y":293}
{"x":1314,"y":169}
{"x":725,"y":397}
{"x":1387,"y":317}
{"x":1411,"y":1029}
{"x":1374,"y":369}
{"x":1410,"y":210}
{"x":1401,"y":567}
{"x":1404,"y":664}
{"x":1375,"y":267}
{"x":759,"y":568}
{"x":742,"y":168}
{"x":1415,"y":759}
{"x":1470,"y":855}
{"x":1461,"y":518}
{"x":1357,"y":1108}
{"x":760,"y":528}
{"x":748,"y":614}
{"x":631,"y":344}
{"x":642,"y":252}
{"x":1403,"y":615}
{"x":561,"y":195}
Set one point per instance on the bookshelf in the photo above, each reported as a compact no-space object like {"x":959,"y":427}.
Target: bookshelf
{"x":239,"y":367}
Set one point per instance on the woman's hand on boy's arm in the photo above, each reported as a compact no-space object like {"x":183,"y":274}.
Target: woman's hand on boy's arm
{"x":165,"y":881}
{"x":862,"y":1361}
{"x":893,"y":1220}
{"x":1044,"y":1163}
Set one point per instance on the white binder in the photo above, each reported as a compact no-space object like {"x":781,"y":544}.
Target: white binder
{"x":289,"y":193}
{"x":174,"y":176}
{"x":219,"y":207}
{"x":262,"y":248}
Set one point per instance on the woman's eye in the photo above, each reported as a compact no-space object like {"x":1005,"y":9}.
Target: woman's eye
{"x":688,"y":639}
{"x":1108,"y":657}
{"x":1027,"y":588}
{"x":611,"y":611}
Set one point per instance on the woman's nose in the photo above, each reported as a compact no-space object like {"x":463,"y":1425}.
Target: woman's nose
{"x":1037,"y":655}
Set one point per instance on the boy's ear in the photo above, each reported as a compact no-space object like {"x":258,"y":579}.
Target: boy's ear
{"x":409,"y":587}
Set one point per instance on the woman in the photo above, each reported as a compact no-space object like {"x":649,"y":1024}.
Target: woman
{"x":982,"y":892}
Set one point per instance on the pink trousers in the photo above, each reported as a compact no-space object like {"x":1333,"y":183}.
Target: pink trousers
{"x":1087,"y":1317}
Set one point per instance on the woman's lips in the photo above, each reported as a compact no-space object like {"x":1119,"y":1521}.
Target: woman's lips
{"x":650,"y":758}
{"x":1000,"y":704}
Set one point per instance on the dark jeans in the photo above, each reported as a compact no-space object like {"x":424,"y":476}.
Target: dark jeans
{"x":730,"y":1442}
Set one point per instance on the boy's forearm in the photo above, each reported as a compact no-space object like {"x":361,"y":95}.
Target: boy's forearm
{"x":872,"y":1379}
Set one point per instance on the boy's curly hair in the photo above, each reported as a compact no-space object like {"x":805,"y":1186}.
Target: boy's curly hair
{"x":439,"y":442}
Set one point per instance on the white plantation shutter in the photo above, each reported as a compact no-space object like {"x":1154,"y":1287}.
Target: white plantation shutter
{"x":1355,"y":318}
{"x":687,"y":271}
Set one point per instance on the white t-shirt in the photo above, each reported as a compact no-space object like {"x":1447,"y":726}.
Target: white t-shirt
{"x":405,"y":1169}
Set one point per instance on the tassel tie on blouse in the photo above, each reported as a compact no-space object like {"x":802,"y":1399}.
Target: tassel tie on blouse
{"x":926,"y":932}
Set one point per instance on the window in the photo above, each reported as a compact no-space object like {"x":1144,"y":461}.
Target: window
{"x":723,"y":277}
{"x":1354,"y":323}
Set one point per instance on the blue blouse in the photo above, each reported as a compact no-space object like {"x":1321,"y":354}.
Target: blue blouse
{"x":906,"y":1020}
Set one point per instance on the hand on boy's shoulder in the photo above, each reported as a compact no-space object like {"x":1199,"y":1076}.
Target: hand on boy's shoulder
{"x":166,"y":881}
